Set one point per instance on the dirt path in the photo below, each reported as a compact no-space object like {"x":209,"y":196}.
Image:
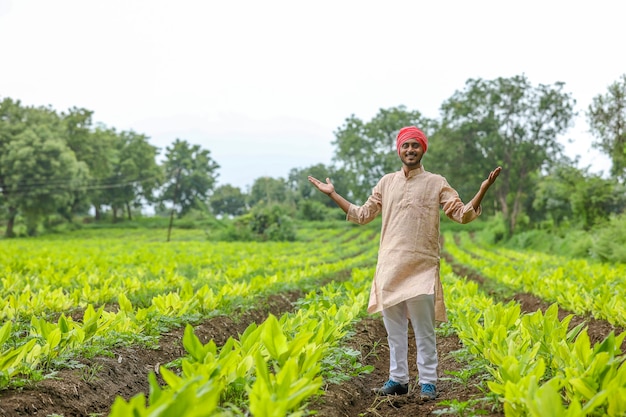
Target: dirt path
{"x":355,"y":398}
{"x":74,"y":393}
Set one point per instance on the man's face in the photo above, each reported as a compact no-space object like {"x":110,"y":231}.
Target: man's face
{"x":411,"y":153}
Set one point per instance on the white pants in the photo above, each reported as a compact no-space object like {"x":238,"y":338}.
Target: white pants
{"x":421,"y":311}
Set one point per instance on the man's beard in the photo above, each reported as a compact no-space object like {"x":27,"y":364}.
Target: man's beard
{"x":413,"y":163}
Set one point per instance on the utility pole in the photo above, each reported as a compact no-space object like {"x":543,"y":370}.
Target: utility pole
{"x":169,"y":229}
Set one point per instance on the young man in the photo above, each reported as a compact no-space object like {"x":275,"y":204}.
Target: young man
{"x":406,"y":284}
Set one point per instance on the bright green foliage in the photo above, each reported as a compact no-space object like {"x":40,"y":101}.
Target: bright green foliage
{"x":545,"y":400}
{"x":159,"y":284}
{"x":192,"y":397}
{"x":277,"y":395}
{"x":274,"y":367}
{"x":535,"y":358}
{"x":578,"y":285}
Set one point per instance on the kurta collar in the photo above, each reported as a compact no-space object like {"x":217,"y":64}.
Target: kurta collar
{"x":412,"y":172}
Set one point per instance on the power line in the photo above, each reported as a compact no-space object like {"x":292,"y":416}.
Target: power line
{"x":67,"y":185}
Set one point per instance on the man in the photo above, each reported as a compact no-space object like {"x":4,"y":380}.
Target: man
{"x":406,"y":284}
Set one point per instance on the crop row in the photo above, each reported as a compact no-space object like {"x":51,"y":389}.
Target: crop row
{"x":539,"y":366}
{"x":127,"y":292}
{"x":270,"y":370}
{"x":40,"y":278}
{"x":578,"y":285}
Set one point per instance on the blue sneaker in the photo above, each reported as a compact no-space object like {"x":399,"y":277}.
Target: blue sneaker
{"x":392,"y":387}
{"x":429,"y":392}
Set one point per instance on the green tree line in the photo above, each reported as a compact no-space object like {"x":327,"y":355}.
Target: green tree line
{"x":59,"y":165}
{"x":508,"y":122}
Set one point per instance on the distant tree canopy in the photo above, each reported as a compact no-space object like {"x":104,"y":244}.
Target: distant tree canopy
{"x":135,"y":176}
{"x":298,"y":183}
{"x":268,"y":190}
{"x":190,"y":174}
{"x":39,"y":173}
{"x":61,"y":164}
{"x":506,"y":122}
{"x":607,"y":119}
{"x":227,"y":200}
{"x":568,"y":194}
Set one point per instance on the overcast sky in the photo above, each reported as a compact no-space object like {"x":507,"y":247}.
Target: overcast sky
{"x":264,"y":84}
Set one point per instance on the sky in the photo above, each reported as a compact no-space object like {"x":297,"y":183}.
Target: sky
{"x":263,"y":85}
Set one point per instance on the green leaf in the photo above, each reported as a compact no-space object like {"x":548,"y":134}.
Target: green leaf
{"x":5,"y":332}
{"x":584,"y":387}
{"x":192,"y":344}
{"x":273,"y":338}
{"x":63,"y":324}
{"x":125,"y":304}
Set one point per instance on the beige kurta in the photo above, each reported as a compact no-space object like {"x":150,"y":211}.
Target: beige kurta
{"x":408,"y":256}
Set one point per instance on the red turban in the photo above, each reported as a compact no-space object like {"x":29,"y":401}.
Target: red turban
{"x":411,"y":132}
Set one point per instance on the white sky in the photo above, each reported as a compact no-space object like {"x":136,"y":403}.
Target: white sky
{"x":264,"y":84}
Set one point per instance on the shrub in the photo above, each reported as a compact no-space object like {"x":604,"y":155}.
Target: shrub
{"x":312,"y":210}
{"x":610,"y":242}
{"x":267,"y":222}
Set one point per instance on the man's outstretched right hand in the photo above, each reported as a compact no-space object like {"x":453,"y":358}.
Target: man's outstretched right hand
{"x":327,"y":187}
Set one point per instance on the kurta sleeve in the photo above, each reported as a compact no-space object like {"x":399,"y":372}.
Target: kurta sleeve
{"x":453,"y":206}
{"x":368,"y":211}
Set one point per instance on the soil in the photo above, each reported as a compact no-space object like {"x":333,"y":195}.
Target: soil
{"x":75,"y":393}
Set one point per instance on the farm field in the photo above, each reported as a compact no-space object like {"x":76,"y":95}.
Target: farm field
{"x":101,"y":312}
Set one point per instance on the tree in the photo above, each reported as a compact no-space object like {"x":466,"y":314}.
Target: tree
{"x":78,"y":125}
{"x":507,"y":122}
{"x":227,"y":200}
{"x":367,"y":151}
{"x":595,"y":199}
{"x":267,"y":222}
{"x":298,"y":183}
{"x":567,"y":193}
{"x":190,"y":174}
{"x":554,"y":191}
{"x":102,"y":157}
{"x":269,"y":190}
{"x":453,"y":153}
{"x":607,"y":119}
{"x":40,"y":172}
{"x":12,"y":122}
{"x":134,"y":173}
{"x":88,"y":147}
